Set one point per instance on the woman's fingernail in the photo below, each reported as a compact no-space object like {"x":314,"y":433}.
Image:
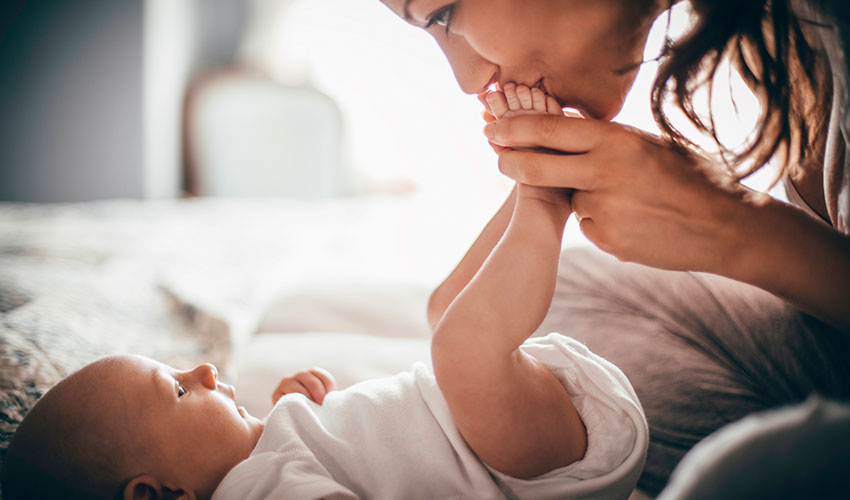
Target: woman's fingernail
{"x":490,"y":130}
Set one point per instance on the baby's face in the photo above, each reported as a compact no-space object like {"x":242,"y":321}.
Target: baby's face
{"x":187,"y":422}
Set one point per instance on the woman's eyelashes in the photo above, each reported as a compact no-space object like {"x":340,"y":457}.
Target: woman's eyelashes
{"x":442,"y":17}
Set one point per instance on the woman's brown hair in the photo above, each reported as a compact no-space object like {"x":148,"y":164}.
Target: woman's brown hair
{"x":765,"y":41}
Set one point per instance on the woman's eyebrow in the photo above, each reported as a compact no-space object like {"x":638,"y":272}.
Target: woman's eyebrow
{"x":406,"y":10}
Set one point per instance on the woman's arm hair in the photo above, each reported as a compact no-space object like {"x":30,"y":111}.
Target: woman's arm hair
{"x":444,"y":294}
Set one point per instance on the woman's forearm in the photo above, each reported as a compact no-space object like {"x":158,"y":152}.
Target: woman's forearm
{"x":444,"y":294}
{"x":796,"y":257}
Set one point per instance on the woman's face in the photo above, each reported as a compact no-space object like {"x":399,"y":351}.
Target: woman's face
{"x":583,"y":52}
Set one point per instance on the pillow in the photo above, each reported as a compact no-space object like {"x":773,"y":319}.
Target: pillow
{"x":350,"y":357}
{"x":392,"y":309}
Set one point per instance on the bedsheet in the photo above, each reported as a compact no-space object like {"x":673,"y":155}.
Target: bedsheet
{"x":186,"y":281}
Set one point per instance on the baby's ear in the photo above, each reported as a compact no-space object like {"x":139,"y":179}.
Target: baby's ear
{"x":147,"y":487}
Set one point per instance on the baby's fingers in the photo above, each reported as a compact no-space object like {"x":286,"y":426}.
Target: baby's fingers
{"x":289,"y":385}
{"x":314,"y":383}
{"x":325,"y":377}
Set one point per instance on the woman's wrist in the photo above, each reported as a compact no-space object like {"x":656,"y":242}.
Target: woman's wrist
{"x":785,"y":251}
{"x":742,"y":237}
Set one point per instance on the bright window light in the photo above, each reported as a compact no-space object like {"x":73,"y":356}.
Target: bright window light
{"x":406,"y":120}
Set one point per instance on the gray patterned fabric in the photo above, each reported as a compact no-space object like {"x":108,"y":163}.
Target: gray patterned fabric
{"x":702,"y":351}
{"x":79,"y":282}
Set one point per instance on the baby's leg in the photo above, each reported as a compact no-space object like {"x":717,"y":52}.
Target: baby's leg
{"x":511,"y":410}
{"x":516,"y":100}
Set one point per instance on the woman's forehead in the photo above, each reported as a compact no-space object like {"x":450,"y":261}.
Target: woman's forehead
{"x":400,"y":7}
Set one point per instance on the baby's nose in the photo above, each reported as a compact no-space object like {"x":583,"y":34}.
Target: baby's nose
{"x":208,"y":375}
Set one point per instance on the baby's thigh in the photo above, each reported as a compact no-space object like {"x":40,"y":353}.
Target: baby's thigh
{"x":701,"y":351}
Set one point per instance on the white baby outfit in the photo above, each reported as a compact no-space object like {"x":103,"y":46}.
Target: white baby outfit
{"x":394,"y":438}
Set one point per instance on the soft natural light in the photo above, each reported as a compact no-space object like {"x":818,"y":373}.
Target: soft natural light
{"x":405,"y":118}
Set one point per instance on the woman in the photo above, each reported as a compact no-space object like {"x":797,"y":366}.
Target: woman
{"x":765,"y":321}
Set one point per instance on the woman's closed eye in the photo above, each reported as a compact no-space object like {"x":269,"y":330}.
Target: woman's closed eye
{"x":442,"y":17}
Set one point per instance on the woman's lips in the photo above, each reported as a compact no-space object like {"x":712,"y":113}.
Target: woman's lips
{"x":541,"y":84}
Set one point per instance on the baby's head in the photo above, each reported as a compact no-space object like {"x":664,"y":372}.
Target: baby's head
{"x":129,"y":427}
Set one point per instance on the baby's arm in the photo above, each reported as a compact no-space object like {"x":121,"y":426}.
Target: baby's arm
{"x":510,"y":409}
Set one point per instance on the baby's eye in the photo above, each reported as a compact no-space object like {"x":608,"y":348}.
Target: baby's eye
{"x":180,"y":390}
{"x":442,"y":17}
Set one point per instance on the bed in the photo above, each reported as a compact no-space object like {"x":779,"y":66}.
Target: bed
{"x":258,"y":287}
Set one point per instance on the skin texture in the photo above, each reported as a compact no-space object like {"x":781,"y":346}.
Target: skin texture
{"x":510,"y":409}
{"x":170,"y":433}
{"x":314,"y":383}
{"x":586,"y":52}
{"x":206,"y":433}
{"x":637,"y":197}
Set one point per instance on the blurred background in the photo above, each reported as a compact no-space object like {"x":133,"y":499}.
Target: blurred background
{"x":310,"y":99}
{"x":192,"y":172}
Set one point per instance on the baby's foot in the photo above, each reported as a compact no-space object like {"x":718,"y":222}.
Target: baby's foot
{"x":516,"y":99}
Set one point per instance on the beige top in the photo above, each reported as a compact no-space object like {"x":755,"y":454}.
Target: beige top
{"x":832,"y":18}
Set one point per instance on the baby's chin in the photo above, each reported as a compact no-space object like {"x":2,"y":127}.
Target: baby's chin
{"x":255,"y":424}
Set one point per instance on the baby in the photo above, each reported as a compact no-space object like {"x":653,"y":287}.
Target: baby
{"x":499,"y":417}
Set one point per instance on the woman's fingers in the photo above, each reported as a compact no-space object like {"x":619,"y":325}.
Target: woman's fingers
{"x":584,"y":204}
{"x":593,"y":232}
{"x":561,"y":133}
{"x":574,"y":171}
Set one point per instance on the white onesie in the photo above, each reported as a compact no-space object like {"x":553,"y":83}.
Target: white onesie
{"x":394,"y":438}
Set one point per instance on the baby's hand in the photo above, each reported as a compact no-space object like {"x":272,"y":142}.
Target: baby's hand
{"x":314,"y":383}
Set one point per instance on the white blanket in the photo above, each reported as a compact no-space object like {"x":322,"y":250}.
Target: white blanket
{"x":394,"y":438}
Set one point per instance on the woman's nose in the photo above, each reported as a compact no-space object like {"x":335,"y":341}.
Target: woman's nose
{"x":207,"y":374}
{"x":472,"y":72}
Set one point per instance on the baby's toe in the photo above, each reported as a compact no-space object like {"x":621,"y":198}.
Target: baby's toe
{"x":511,"y":96}
{"x":538,"y":100}
{"x":524,"y":94}
{"x":553,"y":106}
{"x":498,"y":104}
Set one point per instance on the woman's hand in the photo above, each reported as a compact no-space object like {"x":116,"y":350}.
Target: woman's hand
{"x":314,"y":383}
{"x":635,"y":196}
